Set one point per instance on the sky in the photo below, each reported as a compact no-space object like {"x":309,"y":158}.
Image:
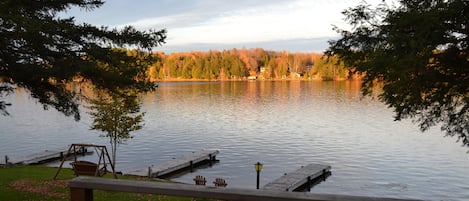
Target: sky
{"x":291,"y":25}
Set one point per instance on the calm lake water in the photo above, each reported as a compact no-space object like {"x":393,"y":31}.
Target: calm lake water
{"x":284,"y":125}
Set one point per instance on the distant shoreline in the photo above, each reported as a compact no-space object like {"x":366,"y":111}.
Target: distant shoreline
{"x":253,"y":80}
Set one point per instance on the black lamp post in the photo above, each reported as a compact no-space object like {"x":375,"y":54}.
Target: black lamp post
{"x":258,"y":168}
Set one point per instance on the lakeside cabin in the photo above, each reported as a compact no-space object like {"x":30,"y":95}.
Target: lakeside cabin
{"x":252,"y":77}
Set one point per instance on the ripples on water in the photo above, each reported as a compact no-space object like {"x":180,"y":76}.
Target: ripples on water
{"x":284,"y":125}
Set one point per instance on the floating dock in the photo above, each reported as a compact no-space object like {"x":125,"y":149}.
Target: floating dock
{"x":177,"y":164}
{"x":301,"y":177}
{"x":45,"y":156}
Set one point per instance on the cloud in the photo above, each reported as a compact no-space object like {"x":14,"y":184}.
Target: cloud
{"x":256,"y":23}
{"x":172,"y":21}
{"x":292,"y":45}
{"x":228,"y":22}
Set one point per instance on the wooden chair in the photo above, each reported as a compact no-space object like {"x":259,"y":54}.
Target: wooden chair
{"x":200,"y":180}
{"x":219,"y":182}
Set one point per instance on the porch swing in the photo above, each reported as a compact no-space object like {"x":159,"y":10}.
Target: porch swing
{"x":88,"y":168}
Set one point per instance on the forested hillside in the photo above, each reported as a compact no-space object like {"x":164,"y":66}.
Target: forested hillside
{"x":240,"y":64}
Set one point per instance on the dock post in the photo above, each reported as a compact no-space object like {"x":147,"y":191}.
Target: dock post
{"x":83,"y":151}
{"x":192,"y":165}
{"x":149,"y":171}
{"x":212,"y":157}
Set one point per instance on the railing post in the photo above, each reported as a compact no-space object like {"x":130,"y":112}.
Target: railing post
{"x":81,"y":194}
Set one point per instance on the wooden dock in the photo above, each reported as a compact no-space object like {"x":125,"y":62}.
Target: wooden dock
{"x":177,"y":164}
{"x":294,"y":180}
{"x":45,"y":156}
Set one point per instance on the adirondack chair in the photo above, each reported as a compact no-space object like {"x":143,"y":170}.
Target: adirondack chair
{"x":200,"y":180}
{"x":219,"y":182}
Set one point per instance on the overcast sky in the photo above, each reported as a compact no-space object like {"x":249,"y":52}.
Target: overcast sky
{"x":292,"y":25}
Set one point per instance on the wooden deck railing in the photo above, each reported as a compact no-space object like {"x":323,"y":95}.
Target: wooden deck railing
{"x":81,"y":189}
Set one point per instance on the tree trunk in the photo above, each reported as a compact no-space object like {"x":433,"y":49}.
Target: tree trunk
{"x":114,"y":150}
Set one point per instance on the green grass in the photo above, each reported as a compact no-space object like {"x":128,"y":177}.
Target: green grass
{"x":36,"y":183}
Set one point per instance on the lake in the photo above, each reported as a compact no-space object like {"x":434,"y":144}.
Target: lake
{"x":282,"y":124}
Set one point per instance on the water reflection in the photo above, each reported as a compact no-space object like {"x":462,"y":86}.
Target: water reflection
{"x":284,"y":125}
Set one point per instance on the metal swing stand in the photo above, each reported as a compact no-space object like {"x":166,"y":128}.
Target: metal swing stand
{"x":87,"y":167}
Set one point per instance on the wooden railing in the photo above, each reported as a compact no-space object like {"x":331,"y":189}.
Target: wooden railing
{"x":81,"y":189}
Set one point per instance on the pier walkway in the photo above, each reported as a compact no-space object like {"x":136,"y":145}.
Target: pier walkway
{"x":45,"y":156}
{"x":177,"y":164}
{"x":294,"y":180}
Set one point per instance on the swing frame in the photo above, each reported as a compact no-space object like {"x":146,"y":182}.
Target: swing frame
{"x":87,"y":167}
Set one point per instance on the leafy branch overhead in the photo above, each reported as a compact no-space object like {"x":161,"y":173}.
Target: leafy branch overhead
{"x":41,"y":52}
{"x":418,"y":51}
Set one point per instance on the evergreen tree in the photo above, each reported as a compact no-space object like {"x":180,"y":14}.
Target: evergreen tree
{"x":419,"y":52}
{"x":42,"y":52}
{"x":198,"y":68}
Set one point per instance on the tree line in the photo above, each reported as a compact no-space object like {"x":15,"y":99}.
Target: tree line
{"x":241,"y":64}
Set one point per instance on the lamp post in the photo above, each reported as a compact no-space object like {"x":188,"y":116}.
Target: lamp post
{"x":258,"y":168}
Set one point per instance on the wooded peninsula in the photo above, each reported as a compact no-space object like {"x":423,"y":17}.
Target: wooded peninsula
{"x":243,"y":64}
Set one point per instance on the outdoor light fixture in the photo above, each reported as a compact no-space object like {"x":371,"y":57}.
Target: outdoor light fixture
{"x":258,"y":168}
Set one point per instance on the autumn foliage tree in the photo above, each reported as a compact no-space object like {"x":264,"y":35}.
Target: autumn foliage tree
{"x":117,"y":114}
{"x":237,"y":64}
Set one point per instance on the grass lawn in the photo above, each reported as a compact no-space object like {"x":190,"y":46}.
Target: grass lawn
{"x":36,"y":183}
